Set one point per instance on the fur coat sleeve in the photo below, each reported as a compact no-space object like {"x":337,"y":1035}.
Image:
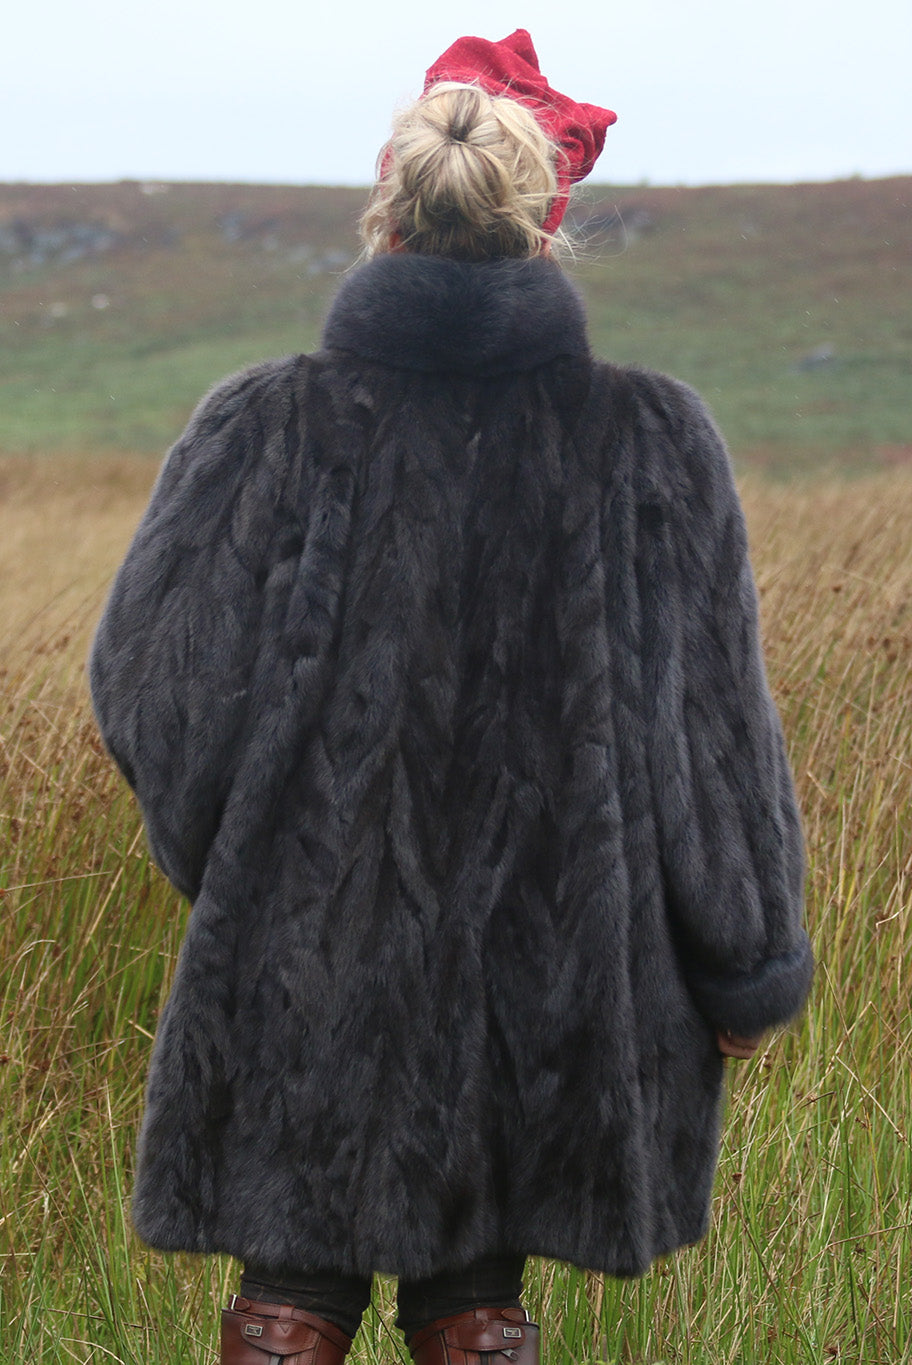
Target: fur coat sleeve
{"x":173,"y":664}
{"x":728,"y":829}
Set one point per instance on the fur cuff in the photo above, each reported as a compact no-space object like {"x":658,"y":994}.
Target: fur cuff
{"x":751,"y":1002}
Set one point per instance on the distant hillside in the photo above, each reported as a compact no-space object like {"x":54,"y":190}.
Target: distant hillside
{"x":789,"y":307}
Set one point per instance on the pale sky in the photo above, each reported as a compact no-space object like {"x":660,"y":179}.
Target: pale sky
{"x":705,"y":91}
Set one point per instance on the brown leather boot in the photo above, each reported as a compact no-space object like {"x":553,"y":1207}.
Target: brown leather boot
{"x":483,"y":1336}
{"x":256,"y":1333}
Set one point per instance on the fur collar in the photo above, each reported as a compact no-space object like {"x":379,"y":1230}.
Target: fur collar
{"x":434,"y":314}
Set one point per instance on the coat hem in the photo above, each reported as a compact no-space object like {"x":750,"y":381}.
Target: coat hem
{"x":618,"y":1267}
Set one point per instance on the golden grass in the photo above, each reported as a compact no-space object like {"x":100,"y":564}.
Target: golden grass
{"x":810,"y":1257}
{"x":64,"y":525}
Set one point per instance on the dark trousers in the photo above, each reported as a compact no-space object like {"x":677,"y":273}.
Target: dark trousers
{"x":492,"y":1282}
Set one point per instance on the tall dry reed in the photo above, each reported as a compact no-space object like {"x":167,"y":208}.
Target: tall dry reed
{"x":810,"y":1257}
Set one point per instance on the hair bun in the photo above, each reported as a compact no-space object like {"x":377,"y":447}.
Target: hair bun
{"x":460,"y":130}
{"x":492,"y":200}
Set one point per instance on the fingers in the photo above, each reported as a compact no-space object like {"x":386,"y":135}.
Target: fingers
{"x":731,"y":1045}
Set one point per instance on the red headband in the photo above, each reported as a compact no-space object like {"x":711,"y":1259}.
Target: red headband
{"x":510,"y":67}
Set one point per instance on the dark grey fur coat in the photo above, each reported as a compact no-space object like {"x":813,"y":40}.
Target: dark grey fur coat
{"x":434,"y":666}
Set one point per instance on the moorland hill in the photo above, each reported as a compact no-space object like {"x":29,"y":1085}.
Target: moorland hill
{"x":788,"y":306}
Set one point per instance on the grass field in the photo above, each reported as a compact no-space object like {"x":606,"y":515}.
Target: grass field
{"x":789,"y":307}
{"x":810,"y":1257}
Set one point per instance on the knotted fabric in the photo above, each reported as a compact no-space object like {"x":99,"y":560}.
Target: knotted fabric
{"x":510,"y":67}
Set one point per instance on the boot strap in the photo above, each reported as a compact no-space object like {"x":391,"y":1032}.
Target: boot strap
{"x":504,"y":1330}
{"x":278,"y":1329}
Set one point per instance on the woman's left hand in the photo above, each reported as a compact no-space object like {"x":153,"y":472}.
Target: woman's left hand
{"x":731,"y":1045}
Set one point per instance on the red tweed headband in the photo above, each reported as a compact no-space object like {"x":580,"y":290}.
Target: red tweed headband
{"x":510,"y":67}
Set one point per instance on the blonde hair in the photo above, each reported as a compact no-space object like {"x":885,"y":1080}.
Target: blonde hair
{"x":465,"y":174}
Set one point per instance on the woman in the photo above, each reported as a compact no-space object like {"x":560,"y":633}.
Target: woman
{"x":434,"y":666}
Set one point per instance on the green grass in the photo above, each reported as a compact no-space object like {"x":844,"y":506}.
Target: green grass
{"x":810,"y":1254}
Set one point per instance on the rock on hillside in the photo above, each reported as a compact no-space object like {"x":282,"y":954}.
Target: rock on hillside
{"x":59,"y":224}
